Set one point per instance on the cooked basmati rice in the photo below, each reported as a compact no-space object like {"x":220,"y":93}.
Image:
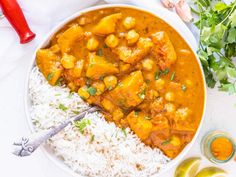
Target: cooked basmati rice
{"x":103,"y":149}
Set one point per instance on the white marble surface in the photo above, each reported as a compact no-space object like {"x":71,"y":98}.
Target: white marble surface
{"x":220,"y":114}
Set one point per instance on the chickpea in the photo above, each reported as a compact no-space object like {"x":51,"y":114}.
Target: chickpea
{"x":100,"y":87}
{"x":68,"y":61}
{"x":92,"y":44}
{"x":144,"y":43}
{"x":147,"y":64}
{"x":83,"y":93}
{"x":159,"y":84}
{"x":108,"y":105}
{"x":169,"y":96}
{"x":170,"y":108}
{"x":117,"y":115}
{"x":110,"y":82}
{"x":129,"y":22}
{"x":182,"y":113}
{"x":111,"y":41}
{"x":132,"y":37}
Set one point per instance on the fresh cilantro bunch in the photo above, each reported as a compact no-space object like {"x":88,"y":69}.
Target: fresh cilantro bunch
{"x":217,"y":45}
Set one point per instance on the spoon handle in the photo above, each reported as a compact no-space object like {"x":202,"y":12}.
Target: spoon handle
{"x":27,"y":145}
{"x":15,"y":16}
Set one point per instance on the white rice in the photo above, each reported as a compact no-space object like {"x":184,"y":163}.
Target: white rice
{"x":111,"y":153}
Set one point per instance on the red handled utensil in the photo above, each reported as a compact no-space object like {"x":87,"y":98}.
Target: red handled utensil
{"x":15,"y":16}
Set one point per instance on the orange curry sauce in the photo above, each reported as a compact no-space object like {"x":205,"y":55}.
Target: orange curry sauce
{"x":135,"y":67}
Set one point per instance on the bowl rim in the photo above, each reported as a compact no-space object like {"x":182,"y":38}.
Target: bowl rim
{"x":47,"y":38}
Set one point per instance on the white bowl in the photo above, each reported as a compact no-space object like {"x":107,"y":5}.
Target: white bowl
{"x":165,"y":15}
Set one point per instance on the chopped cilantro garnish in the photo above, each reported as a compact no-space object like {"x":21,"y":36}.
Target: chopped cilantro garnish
{"x":105,"y":46}
{"x":161,"y":73}
{"x":62,"y":107}
{"x":165,"y":142}
{"x":99,"y":52}
{"x":124,"y":131}
{"x":166,"y":71}
{"x":101,"y":78}
{"x":135,"y":113}
{"x":59,"y":81}
{"x":172,"y":77}
{"x":92,"y":90}
{"x":92,"y":138}
{"x":50,"y":76}
{"x":75,"y":112}
{"x":81,"y":125}
{"x":70,"y":95}
{"x":147,"y":81}
{"x":156,"y":76}
{"x":142,"y":95}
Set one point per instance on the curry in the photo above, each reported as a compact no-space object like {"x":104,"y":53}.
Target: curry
{"x":135,"y":67}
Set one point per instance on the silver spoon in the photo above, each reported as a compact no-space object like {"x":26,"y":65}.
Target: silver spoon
{"x":27,"y":145}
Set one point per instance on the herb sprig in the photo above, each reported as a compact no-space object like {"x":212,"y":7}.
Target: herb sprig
{"x":217,"y":45}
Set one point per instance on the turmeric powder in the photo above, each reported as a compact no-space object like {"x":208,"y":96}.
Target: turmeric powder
{"x":221,"y":148}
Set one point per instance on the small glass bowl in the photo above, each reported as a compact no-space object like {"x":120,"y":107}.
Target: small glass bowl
{"x":206,"y":146}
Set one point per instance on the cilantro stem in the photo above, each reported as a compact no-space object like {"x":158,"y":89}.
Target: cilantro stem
{"x":232,"y":10}
{"x":194,"y":11}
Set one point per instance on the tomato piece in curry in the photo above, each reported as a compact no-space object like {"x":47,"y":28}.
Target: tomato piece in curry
{"x":135,"y":67}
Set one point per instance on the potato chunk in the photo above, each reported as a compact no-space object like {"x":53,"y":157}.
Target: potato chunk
{"x":134,"y":54}
{"x":68,"y":37}
{"x":130,"y":91}
{"x":108,"y":105}
{"x":99,"y":66}
{"x":117,"y":114}
{"x":49,"y":64}
{"x":107,"y":25}
{"x":139,"y":124}
{"x":110,"y":82}
{"x":77,"y":70}
{"x":164,"y":48}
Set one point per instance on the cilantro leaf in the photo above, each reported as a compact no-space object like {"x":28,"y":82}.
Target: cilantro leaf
{"x":81,"y":125}
{"x":92,"y":90}
{"x":217,"y":45}
{"x":62,"y":107}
